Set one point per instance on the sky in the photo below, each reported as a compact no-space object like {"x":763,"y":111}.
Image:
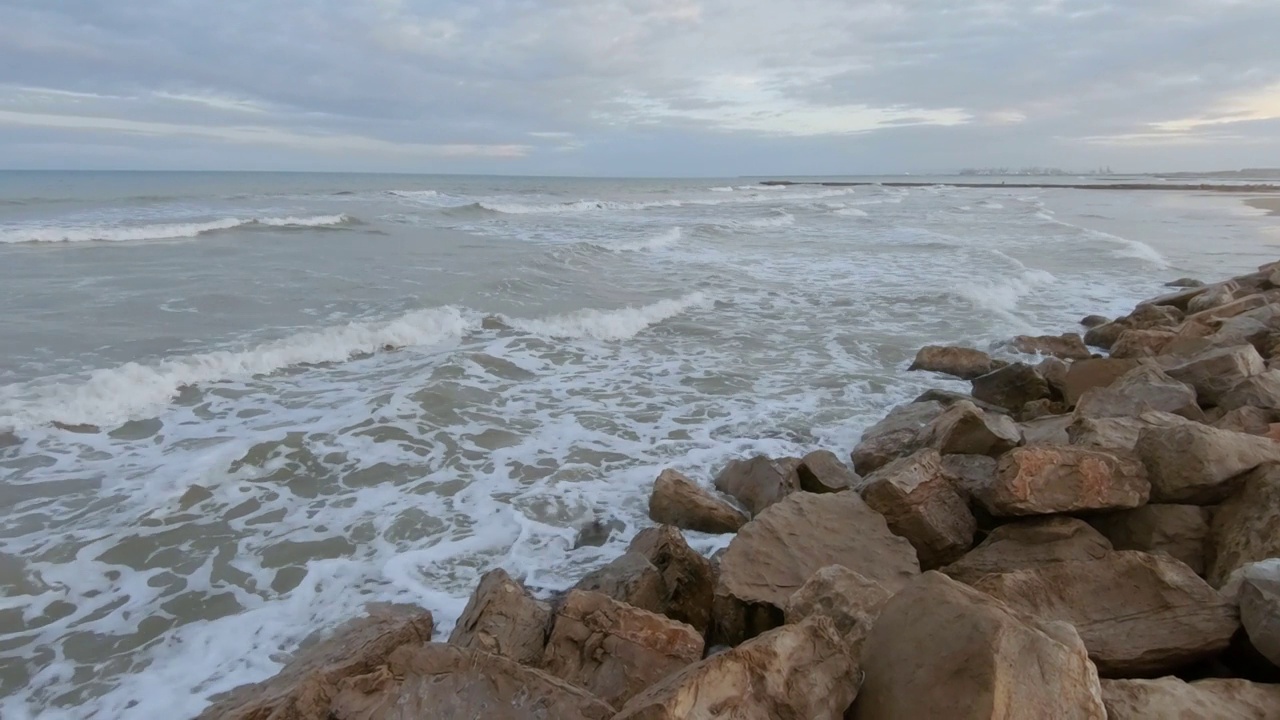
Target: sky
{"x":639,"y":87}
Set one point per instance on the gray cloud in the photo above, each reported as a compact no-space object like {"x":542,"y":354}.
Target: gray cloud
{"x":688,"y":87}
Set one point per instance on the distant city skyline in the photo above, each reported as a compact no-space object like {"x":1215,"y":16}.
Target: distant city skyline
{"x":640,"y":87}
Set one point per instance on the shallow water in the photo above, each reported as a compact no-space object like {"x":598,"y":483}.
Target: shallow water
{"x":280,"y":397}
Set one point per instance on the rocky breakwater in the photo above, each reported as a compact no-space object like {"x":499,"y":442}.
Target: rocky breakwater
{"x":1084,"y":536}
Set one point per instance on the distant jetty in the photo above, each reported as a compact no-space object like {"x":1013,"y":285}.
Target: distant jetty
{"x":1210,"y":187}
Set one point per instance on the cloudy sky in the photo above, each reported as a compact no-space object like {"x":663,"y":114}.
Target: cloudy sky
{"x":639,"y":87}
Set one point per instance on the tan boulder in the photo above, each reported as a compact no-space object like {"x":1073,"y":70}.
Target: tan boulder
{"x":961,"y":362}
{"x":502,"y":618}
{"x":899,"y":434}
{"x":759,"y":482}
{"x":1048,"y":430}
{"x":1179,"y":299}
{"x":822,"y":472}
{"x":972,"y":474}
{"x":851,"y":601}
{"x":920,"y":502}
{"x":614,"y":650}
{"x":1147,"y":316}
{"x":1068,"y":346}
{"x":1180,"y":531}
{"x":1260,"y":391}
{"x":796,"y":672}
{"x":965,"y":429}
{"x":1215,"y":373}
{"x":659,"y":573}
{"x":1045,"y":407}
{"x":1194,"y":463}
{"x":1246,"y":528}
{"x":1175,"y":699}
{"x":1117,"y":433}
{"x":1229,"y":310}
{"x":1093,"y":321}
{"x":1085,"y":375}
{"x":1011,"y":387}
{"x":1134,"y":343}
{"x":1211,"y":297}
{"x":1054,"y":371}
{"x":1260,"y":607}
{"x":947,"y":398}
{"x":677,"y":500}
{"x":304,"y":689}
{"x":1142,"y":389}
{"x":435,"y":680}
{"x":1105,"y":335}
{"x":941,"y":649}
{"x":1030,"y":543}
{"x":1048,"y":479}
{"x":1248,"y":420}
{"x":776,"y":553}
{"x":1138,"y":614}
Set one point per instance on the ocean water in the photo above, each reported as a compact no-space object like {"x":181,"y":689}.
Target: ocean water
{"x":236,"y":408}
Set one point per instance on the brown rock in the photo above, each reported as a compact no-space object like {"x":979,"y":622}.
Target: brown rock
{"x":1054,"y":371}
{"x":1248,"y":420}
{"x":1048,"y":479}
{"x":1259,"y":391}
{"x":1093,"y":321}
{"x":1105,"y":335}
{"x":1068,"y":346}
{"x":305,"y":688}
{"x":445,"y":681}
{"x":776,"y":553}
{"x":1180,"y":299}
{"x":1029,"y":544}
{"x":796,"y":672}
{"x":920,"y":503}
{"x":1148,"y":317}
{"x":964,"y":363}
{"x":943,"y":650}
{"x":1260,"y":608}
{"x":1176,"y":699}
{"x":1184,"y":283}
{"x":849,"y":600}
{"x":502,"y":618}
{"x":1047,"y":430}
{"x":1194,"y":463}
{"x":822,"y":472}
{"x":1138,"y":614}
{"x":965,"y":429}
{"x":1246,"y":528}
{"x":1211,"y":297}
{"x":614,"y":650}
{"x":758,"y":482}
{"x":1037,"y":409}
{"x":899,"y":434}
{"x":677,"y":500}
{"x":1117,"y":433}
{"x":1215,"y":373}
{"x":947,"y":398}
{"x":1231,"y":309}
{"x":1180,"y":531}
{"x":1011,"y":387}
{"x":1142,"y":389}
{"x":972,"y":474}
{"x":1141,"y":343}
{"x":1088,"y":374}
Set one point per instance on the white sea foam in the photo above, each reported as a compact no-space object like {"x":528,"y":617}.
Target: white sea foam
{"x":610,"y":325}
{"x":778,"y":219}
{"x":1003,"y":296}
{"x":157,"y":231}
{"x":666,"y":238}
{"x":577,"y":206}
{"x":721,"y":189}
{"x":1126,"y":247}
{"x":110,"y":396}
{"x":851,"y":212}
{"x":415,"y":194}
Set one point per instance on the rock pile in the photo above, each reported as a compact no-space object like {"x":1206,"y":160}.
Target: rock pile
{"x":1083,"y":537}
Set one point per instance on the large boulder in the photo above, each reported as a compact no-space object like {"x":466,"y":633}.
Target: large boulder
{"x":1230,"y":310}
{"x":1247,"y":420}
{"x":1105,"y":335}
{"x":614,"y":650}
{"x":1180,"y":531}
{"x":1194,"y":463}
{"x":920,"y":502}
{"x":1259,"y":391}
{"x":851,"y":601}
{"x":972,"y":474}
{"x":502,"y":618}
{"x":306,"y":687}
{"x":965,"y":429}
{"x":1133,"y":343}
{"x":941,"y":649}
{"x":1138,"y":614}
{"x":1246,"y":528}
{"x":1048,"y":479}
{"x":1211,"y":297}
{"x":1085,"y":375}
{"x":1148,"y":316}
{"x":1179,"y":299}
{"x":1144,"y":389}
{"x":1049,"y":430}
{"x":822,"y":472}
{"x":446,"y":681}
{"x":759,"y":482}
{"x":1028,"y":544}
{"x":899,"y":434}
{"x":662,"y":574}
{"x":796,"y":672}
{"x":1068,"y":346}
{"x":1011,"y":387}
{"x":776,"y":553}
{"x":1117,"y":433}
{"x":1260,"y":608}
{"x":1215,"y":373}
{"x":961,"y":362}
{"x":1174,"y":699}
{"x":679,"y":501}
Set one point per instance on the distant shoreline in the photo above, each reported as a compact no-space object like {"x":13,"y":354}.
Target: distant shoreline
{"x":1094,"y":186}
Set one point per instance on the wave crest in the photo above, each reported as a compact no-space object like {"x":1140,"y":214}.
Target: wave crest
{"x":158,"y":231}
{"x":609,"y":325}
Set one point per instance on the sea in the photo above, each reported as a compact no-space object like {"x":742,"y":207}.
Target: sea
{"x":237,"y":408}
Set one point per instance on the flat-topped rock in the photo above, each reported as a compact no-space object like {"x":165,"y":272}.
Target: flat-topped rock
{"x":1180,"y":531}
{"x":1085,"y":375}
{"x":1049,"y":479}
{"x":1011,"y":387}
{"x":1176,"y":699}
{"x":1133,"y":343}
{"x":1031,"y":543}
{"x":1143,"y":389}
{"x":1196,"y":464}
{"x":1117,"y":433}
{"x":964,"y":363}
{"x":1068,"y":346}
{"x":759,"y":482}
{"x":677,"y":500}
{"x":1215,"y":373}
{"x":964,"y":429}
